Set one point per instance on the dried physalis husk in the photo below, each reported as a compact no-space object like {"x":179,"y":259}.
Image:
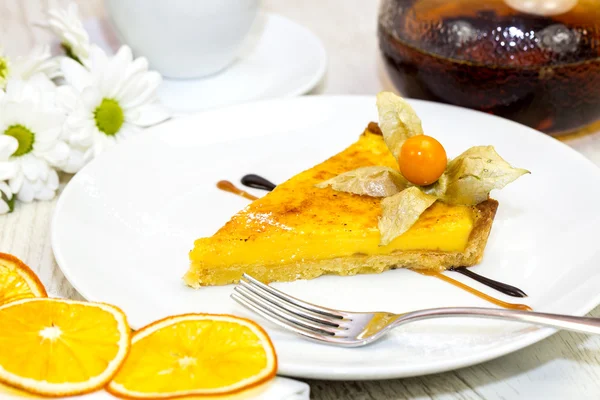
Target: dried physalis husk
{"x":375,"y":181}
{"x":397,"y":120}
{"x":400,"y":211}
{"x":467,"y":180}
{"x":470,"y":177}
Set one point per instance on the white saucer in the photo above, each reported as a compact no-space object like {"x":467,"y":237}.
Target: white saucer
{"x":281,"y":59}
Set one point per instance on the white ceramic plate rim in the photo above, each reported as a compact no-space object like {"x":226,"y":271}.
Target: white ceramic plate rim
{"x":350,"y":372}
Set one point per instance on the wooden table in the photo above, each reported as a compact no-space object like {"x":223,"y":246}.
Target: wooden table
{"x":564,"y":366}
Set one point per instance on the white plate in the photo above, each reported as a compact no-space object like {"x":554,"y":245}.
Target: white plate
{"x":124,"y":225}
{"x":280,"y":58}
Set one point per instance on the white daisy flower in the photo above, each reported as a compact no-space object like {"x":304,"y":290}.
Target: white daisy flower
{"x":66,"y":24}
{"x":115,"y":98}
{"x":79,"y":141}
{"x":39,"y":60}
{"x":7,"y":200}
{"x":30,"y":145}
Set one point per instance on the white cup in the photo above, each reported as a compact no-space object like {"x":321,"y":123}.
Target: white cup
{"x":184,"y":38}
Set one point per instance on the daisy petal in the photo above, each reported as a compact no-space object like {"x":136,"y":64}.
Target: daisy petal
{"x":45,"y":194}
{"x":16,"y":182}
{"x":8,"y":145}
{"x":149,"y":114}
{"x":44,"y":170}
{"x":102,"y":142}
{"x":91,"y":97}
{"x":58,"y":154}
{"x":144,"y":92}
{"x":52,"y":182}
{"x":66,"y":98}
{"x":137,"y":68}
{"x":30,"y":167}
{"x":5,"y":189}
{"x":81,"y":133}
{"x":42,"y":83}
{"x":26,"y":193}
{"x":126,"y":131}
{"x":98,"y":61}
{"x":22,"y":113}
{"x":114,"y":75}
{"x":75,"y":162}
{"x":47,"y":129}
{"x":8,"y":170}
{"x":75,"y":74}
{"x":4,"y":207}
{"x":17,"y":90}
{"x":38,"y":61}
{"x":124,"y":55}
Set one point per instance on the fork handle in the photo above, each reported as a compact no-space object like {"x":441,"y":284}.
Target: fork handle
{"x":566,"y":322}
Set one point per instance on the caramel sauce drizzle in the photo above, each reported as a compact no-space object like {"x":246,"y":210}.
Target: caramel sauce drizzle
{"x":231,"y":188}
{"x":499,"y":286}
{"x":481,"y":295}
{"x":257,"y":182}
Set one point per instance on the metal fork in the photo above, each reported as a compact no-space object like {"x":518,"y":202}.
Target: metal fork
{"x":355,"y":329}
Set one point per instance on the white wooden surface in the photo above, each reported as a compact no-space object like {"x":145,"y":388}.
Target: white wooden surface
{"x":565,"y":366}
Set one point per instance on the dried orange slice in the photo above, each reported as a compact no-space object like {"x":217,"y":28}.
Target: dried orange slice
{"x":17,"y":280}
{"x":195,"y":355}
{"x":9,"y":392}
{"x":57,"y":347}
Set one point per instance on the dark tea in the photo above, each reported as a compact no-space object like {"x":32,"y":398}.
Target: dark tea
{"x":539,"y":70}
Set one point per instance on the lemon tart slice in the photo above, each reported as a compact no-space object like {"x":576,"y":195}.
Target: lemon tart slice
{"x":300,"y":231}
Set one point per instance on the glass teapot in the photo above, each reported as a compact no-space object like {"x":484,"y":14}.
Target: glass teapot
{"x":533,"y":61}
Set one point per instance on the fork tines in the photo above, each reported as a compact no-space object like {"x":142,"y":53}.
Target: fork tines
{"x":304,"y":318}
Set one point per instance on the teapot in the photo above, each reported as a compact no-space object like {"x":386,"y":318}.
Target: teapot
{"x":536,"y":62}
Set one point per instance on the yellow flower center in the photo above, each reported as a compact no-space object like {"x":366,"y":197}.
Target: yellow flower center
{"x":3,"y":71}
{"x":109,"y":117}
{"x":24,"y":136}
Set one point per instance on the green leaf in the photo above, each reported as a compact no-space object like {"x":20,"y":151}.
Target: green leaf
{"x":401,"y":211}
{"x":4,"y":197}
{"x":470,"y":177}
{"x":375,"y":181}
{"x":11,"y":204}
{"x":397,"y":120}
{"x":69,"y":52}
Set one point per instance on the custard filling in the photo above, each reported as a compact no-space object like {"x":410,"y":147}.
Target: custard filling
{"x":440,"y":228}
